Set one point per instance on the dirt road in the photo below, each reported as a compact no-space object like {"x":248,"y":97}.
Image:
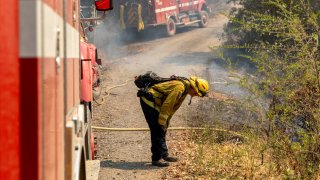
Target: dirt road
{"x":126,"y":155}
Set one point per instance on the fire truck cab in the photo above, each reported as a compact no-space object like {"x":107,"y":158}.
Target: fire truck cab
{"x":140,"y":14}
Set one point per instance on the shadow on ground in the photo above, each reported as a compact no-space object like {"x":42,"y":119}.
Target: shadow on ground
{"x":127,"y":165}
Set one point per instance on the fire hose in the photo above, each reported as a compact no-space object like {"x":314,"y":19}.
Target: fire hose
{"x":107,"y":91}
{"x":171,"y":128}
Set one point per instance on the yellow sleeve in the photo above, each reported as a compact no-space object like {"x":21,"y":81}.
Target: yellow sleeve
{"x":166,"y":110}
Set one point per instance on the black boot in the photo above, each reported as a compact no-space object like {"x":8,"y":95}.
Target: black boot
{"x":171,"y":159}
{"x":160,"y":164}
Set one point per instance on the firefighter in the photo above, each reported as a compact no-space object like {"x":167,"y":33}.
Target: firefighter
{"x":167,"y":98}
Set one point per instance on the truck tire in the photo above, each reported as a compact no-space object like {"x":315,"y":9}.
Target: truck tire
{"x":171,"y":27}
{"x":204,"y":17}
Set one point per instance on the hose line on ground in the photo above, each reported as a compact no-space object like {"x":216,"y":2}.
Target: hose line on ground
{"x":107,"y":91}
{"x":171,"y":128}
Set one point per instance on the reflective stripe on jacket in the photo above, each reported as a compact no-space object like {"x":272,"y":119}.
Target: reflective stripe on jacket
{"x":168,"y":97}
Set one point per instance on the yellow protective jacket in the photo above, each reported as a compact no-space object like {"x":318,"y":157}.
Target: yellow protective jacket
{"x":168,"y":98}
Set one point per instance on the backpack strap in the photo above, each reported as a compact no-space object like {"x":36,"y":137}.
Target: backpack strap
{"x":186,"y":87}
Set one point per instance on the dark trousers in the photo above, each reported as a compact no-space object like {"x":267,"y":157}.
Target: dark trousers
{"x":159,"y":147}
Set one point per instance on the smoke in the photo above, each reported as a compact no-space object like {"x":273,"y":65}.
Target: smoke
{"x":107,"y":38}
{"x":115,"y":42}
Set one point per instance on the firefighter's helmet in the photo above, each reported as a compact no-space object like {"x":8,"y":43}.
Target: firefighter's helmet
{"x":201,"y":86}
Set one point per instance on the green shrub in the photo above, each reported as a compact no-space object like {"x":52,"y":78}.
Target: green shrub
{"x":281,"y":39}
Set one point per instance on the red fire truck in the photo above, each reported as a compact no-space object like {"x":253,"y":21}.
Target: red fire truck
{"x":47,"y":76}
{"x":136,"y":15}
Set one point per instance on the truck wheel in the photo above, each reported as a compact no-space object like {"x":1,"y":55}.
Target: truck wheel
{"x":171,"y":27}
{"x":204,"y":17}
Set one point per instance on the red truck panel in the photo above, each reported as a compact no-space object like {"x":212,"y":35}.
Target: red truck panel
{"x":53,"y":119}
{"x":30,"y":115}
{"x":40,"y":86}
{"x":10,"y":93}
{"x":86,"y":73}
{"x":187,"y":5}
{"x":94,"y":64}
{"x":45,"y":100}
{"x":164,"y":9}
{"x":167,"y":8}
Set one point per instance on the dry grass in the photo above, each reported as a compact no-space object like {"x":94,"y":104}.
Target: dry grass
{"x":208,"y":154}
{"x":215,"y":156}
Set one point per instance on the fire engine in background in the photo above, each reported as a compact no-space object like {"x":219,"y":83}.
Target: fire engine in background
{"x":48,"y":73}
{"x":136,"y":15}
